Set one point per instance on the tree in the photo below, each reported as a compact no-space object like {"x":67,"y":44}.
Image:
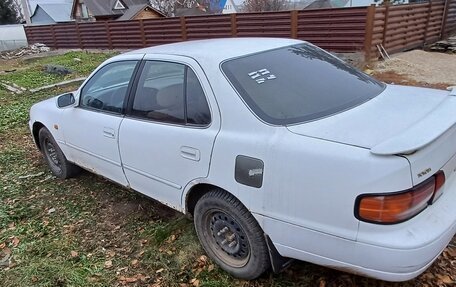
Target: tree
{"x":18,"y":7}
{"x":168,"y":7}
{"x":8,"y":12}
{"x":264,"y":5}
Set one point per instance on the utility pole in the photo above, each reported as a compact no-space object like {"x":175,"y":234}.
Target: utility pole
{"x":25,"y":7}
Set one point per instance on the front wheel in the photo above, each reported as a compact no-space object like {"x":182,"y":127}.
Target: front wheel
{"x":54,"y":156}
{"x":230,"y":235}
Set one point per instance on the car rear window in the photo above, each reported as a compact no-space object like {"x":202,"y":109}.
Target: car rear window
{"x":298,"y":83}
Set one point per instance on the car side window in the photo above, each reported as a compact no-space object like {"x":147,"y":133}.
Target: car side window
{"x":198,"y":112}
{"x":171,"y":93}
{"x":107,"y":89}
{"x":160,"y":93}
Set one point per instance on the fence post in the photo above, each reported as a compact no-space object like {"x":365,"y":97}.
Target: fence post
{"x":108,"y":34}
{"x":294,"y":24}
{"x":78,"y":33}
{"x":233,"y":25}
{"x":29,"y":35}
{"x":183,"y":28}
{"x":427,"y":23}
{"x":143,"y":33}
{"x":54,"y":40}
{"x":369,"y":32}
{"x":444,"y":18}
{"x":385,"y":25}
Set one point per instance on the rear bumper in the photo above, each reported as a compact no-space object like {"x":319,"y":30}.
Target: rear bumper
{"x":389,"y":252}
{"x":377,"y":273}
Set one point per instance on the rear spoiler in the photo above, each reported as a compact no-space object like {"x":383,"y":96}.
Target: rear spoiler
{"x":424,"y":132}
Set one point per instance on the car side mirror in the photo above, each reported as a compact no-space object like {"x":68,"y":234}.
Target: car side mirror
{"x":65,"y":100}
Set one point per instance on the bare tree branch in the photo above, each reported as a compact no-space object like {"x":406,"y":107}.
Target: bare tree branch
{"x":168,"y":7}
{"x":8,"y":12}
{"x":18,"y":7}
{"x":264,"y":5}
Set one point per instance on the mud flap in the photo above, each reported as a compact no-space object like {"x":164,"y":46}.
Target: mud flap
{"x":278,"y":262}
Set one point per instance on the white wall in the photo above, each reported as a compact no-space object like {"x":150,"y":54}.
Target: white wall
{"x":12,"y":37}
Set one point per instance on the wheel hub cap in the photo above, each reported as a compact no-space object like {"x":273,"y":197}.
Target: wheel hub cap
{"x":52,"y":153}
{"x":229,"y":236}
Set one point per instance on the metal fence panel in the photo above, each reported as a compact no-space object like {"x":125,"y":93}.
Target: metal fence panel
{"x":449,"y":25}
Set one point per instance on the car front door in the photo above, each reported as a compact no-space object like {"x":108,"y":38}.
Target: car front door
{"x":167,"y":136}
{"x":91,"y":129}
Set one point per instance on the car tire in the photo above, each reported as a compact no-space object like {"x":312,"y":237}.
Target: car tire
{"x":230,"y":235}
{"x":54,"y":156}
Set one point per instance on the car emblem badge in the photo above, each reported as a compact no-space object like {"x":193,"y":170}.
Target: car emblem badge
{"x":424,"y":172}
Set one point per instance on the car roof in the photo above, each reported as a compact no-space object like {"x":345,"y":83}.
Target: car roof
{"x":218,"y":50}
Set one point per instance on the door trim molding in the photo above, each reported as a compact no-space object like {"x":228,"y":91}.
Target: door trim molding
{"x":94,"y":155}
{"x":153,"y":177}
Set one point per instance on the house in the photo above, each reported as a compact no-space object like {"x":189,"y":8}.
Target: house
{"x":103,"y":10}
{"x":47,"y":13}
{"x":230,"y":7}
{"x":32,"y":4}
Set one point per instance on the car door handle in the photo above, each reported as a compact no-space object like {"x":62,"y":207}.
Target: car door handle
{"x":109,"y":133}
{"x":190,"y":153}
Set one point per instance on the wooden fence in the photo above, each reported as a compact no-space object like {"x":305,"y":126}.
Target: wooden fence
{"x":403,"y":27}
{"x":449,"y":18}
{"x":397,"y":28}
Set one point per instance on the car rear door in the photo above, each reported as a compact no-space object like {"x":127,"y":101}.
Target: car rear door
{"x":91,"y":128}
{"x":167,"y":136}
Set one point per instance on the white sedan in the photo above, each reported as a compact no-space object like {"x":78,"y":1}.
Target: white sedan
{"x":278,"y":150}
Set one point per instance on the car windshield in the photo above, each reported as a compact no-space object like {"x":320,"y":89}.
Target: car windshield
{"x":298,"y":83}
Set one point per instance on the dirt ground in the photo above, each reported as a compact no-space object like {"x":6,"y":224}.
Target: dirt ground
{"x":421,"y":66}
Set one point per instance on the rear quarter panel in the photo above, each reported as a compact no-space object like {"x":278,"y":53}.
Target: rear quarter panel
{"x":315,"y":183}
{"x":430,"y":159}
{"x":307,"y":182}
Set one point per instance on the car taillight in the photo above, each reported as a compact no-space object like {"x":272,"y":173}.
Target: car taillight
{"x":390,"y":208}
{"x":439,"y":182}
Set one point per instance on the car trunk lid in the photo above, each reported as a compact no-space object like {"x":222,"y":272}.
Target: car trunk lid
{"x":400,"y":121}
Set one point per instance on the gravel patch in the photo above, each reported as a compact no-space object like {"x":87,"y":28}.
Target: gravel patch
{"x":422,"y":66}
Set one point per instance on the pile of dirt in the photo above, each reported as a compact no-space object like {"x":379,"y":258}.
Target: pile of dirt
{"x":30,"y":50}
{"x":422,"y":66}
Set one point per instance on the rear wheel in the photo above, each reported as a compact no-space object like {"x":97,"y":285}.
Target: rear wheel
{"x":54,"y":156}
{"x":230,"y":235}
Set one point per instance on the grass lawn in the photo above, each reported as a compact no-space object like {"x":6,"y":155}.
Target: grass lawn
{"x":88,"y":231}
{"x":31,"y":75}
